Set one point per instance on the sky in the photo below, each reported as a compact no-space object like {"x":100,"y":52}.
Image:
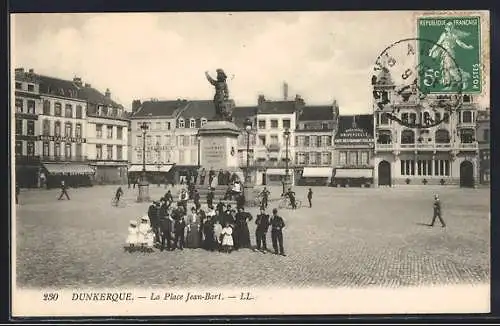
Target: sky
{"x":323,"y":56}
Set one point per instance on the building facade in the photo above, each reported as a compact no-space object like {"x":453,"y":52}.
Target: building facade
{"x":107,"y":135}
{"x":483,"y":138}
{"x":441,"y":154}
{"x":28,"y":106}
{"x":354,"y":157}
{"x":314,"y":145}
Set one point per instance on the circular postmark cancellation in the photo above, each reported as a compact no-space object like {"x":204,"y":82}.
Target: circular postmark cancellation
{"x":420,"y":74}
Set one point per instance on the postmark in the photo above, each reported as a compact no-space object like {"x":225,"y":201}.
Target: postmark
{"x":404,"y":78}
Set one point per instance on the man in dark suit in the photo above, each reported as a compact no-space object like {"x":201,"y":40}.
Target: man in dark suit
{"x":63,"y":191}
{"x":262,"y":222}
{"x":154,"y":219}
{"x":196,"y":199}
{"x":210,"y":198}
{"x":437,"y":212}
{"x":180,"y":225}
{"x":277,"y":225}
{"x":166,"y":228}
{"x":310,"y":197}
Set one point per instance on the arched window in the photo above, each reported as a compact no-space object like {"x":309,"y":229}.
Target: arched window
{"x":442,"y":136}
{"x":384,"y":137}
{"x":79,"y":112}
{"x":413,"y":118}
{"x":46,"y":107}
{"x":467,"y":116}
{"x":408,"y":137}
{"x":181,"y":123}
{"x":68,"y":129}
{"x":68,"y":111}
{"x":57,"y":109}
{"x":426,"y":118}
{"x":46,"y":127}
{"x":57,"y":128}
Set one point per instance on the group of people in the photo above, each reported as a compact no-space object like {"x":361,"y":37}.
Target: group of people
{"x":170,"y":226}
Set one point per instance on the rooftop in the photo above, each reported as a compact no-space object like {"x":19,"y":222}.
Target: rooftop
{"x":317,"y":113}
{"x":57,"y":86}
{"x":159,"y":108}
{"x":92,"y":95}
{"x":198,"y":109}
{"x":277,"y":107}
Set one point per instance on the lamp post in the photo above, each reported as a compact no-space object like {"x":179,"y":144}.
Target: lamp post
{"x":143,"y":184}
{"x":287,"y":139}
{"x":198,"y":138}
{"x":248,"y":129}
{"x":158,"y":162}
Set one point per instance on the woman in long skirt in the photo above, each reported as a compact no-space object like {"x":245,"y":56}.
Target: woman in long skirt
{"x":241,"y":228}
{"x":193,"y":230}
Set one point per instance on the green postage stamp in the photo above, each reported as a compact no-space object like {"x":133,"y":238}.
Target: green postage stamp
{"x":450,"y":54}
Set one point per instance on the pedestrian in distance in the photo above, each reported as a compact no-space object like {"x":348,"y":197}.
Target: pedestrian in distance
{"x":309,"y":197}
{"x":18,"y":190}
{"x":437,"y":212}
{"x":277,"y":225}
{"x":262,"y":223}
{"x":63,"y":191}
{"x":118,"y":194}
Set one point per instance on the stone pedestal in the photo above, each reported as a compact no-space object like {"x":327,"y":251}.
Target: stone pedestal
{"x":143,"y":192}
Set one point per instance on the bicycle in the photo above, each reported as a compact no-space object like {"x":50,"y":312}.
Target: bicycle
{"x":286,"y":203}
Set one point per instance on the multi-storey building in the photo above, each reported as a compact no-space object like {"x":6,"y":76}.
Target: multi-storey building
{"x":483,"y":138}
{"x":243,"y":116}
{"x":276,"y":123}
{"x":107,"y":135}
{"x":63,"y":133}
{"x":160,"y":138}
{"x":27,"y":108}
{"x":354,"y":151}
{"x":441,"y":154}
{"x":314,"y":145}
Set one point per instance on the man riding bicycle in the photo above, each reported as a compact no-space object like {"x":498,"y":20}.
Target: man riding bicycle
{"x":291,"y":196}
{"x":118,"y":194}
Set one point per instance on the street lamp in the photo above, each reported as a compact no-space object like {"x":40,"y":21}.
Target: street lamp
{"x":287,"y":139}
{"x":198,"y":137}
{"x":143,"y":184}
{"x":248,"y":129}
{"x":158,"y":162}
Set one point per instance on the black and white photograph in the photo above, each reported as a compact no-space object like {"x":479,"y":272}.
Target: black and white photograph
{"x":257,"y":163}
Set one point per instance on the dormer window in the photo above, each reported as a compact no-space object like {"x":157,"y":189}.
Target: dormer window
{"x":192,"y":123}
{"x":203,"y":121}
{"x":181,"y":123}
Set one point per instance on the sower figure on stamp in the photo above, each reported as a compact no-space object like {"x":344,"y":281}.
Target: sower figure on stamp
{"x":277,"y":225}
{"x":63,"y":191}
{"x":437,"y":212}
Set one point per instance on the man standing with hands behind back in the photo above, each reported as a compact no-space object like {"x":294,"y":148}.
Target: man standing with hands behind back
{"x":277,"y":225}
{"x":262,"y":222}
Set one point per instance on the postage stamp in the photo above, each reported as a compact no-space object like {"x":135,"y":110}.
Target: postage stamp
{"x":455,"y":45}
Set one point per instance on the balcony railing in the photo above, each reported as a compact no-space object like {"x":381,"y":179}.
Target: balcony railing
{"x":268,"y":164}
{"x":471,"y":125}
{"x":385,"y":146}
{"x":468,"y":145}
{"x":51,"y":158}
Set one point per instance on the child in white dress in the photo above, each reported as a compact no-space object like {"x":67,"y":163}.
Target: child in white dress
{"x":227,"y":238}
{"x":144,"y":229}
{"x":218,"y":233}
{"x":131,"y":241}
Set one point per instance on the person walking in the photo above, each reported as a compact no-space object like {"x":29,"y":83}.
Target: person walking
{"x":18,"y":190}
{"x":63,"y":191}
{"x":277,"y":225}
{"x":309,"y":197}
{"x":118,"y":194}
{"x":262,"y":223}
{"x":437,"y":212}
{"x":265,"y":197}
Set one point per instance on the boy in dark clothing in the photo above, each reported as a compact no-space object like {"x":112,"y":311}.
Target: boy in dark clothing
{"x":118,"y":194}
{"x":291,"y":195}
{"x":63,"y":191}
{"x":17,"y":193}
{"x":210,"y":199}
{"x":154,"y":219}
{"x":437,"y":212}
{"x":180,"y":225}
{"x":166,"y":232}
{"x":262,"y":222}
{"x":309,"y":197}
{"x":277,"y":225}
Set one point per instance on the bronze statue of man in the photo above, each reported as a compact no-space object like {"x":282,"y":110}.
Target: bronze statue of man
{"x":222,"y":111}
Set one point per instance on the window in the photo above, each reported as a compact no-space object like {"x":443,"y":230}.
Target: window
{"x":19,"y":105}
{"x":467,"y":117}
{"x":98,"y":151}
{"x":181,"y":123}
{"x":407,"y":167}
{"x":364,"y":158}
{"x":326,"y":158}
{"x":312,"y":158}
{"x":31,"y":88}
{"x":46,"y":127}
{"x":442,"y":136}
{"x":67,"y":151}
{"x":353,"y":158}
{"x":158,"y":125}
{"x":343,"y":158}
{"x":301,"y":158}
{"x":79,"y":112}
{"x":119,"y":133}
{"x":384,"y":119}
{"x":98,"y":131}
{"x":262,"y":140}
{"x":119,"y":152}
{"x":262,"y":124}
{"x":68,"y":129}
{"x":138,"y":155}
{"x":486,"y":135}
{"x":57,"y":149}
{"x":109,"y":130}
{"x":413,"y":118}
{"x":446,"y":117}
{"x":138,"y":140}
{"x":441,"y":168}
{"x":19,"y":147}
{"x":437,"y":116}
{"x":407,"y":137}
{"x":404,"y":117}
{"x":109,"y":152}
{"x":306,"y":141}
{"x":286,"y":123}
{"x":318,"y":141}
{"x":424,"y":167}
{"x":192,"y":123}
{"x":57,"y":109}
{"x":19,"y":127}
{"x":274,"y":123}
{"x":104,"y":110}
{"x":46,"y":107}
{"x":148,"y":140}
{"x":274,"y":140}
{"x":193,"y":141}
{"x":78,"y":150}
{"x":158,"y":140}
{"x":31,"y":128}
{"x":46,"y":149}
{"x":384,"y":137}
{"x":203,"y":122}
{"x":78,"y":130}
{"x":57,"y":128}
{"x":313,"y":141}
{"x":185,"y":141}
{"x":68,"y":111}
{"x":467,"y":136}
{"x":31,"y":106}
{"x":181,"y":156}
{"x":19,"y":85}
{"x":168,"y":140}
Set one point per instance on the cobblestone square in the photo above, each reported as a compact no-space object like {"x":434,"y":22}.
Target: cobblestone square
{"x":351,"y":237}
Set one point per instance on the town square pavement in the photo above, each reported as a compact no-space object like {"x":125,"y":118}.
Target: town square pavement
{"x":353,"y":237}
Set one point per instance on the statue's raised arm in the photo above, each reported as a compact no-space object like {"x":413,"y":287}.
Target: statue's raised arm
{"x":210,"y":79}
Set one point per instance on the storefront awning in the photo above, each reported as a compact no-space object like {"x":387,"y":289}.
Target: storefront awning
{"x":353,"y":173}
{"x":151,"y":168}
{"x":319,"y":172}
{"x":277,"y":171}
{"x":68,"y":168}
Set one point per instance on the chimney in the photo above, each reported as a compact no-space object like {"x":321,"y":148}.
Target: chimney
{"x":285,"y":91}
{"x":19,"y":71}
{"x":31,"y":71}
{"x":108,"y":93}
{"x":87,"y":85}
{"x":77,"y":81}
{"x":261,"y":99}
{"x":136,"y":104}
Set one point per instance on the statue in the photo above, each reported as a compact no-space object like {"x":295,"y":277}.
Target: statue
{"x":221,"y":97}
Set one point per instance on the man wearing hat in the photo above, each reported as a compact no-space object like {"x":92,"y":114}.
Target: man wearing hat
{"x":262,"y":222}
{"x":154,"y":219}
{"x":183,"y":199}
{"x":277,"y":225}
{"x":166,"y":228}
{"x":437,"y":212}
